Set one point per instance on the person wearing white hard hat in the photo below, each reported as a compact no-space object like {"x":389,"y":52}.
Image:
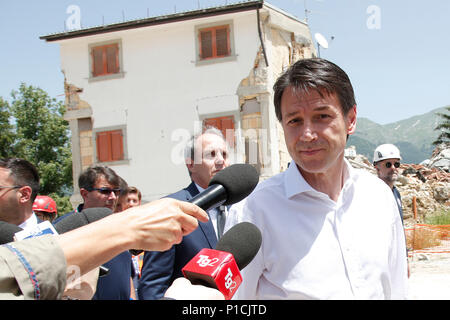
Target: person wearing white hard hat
{"x":386,"y":160}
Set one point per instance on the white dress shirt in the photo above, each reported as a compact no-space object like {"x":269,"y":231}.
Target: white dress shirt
{"x":316,"y":248}
{"x":30,"y":223}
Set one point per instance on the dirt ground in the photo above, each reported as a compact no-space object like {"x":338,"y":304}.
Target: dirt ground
{"x":430,"y":276}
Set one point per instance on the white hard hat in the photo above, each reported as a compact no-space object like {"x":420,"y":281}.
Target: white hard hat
{"x":386,"y":151}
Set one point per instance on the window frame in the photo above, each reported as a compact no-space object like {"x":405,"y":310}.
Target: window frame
{"x":106,"y":76}
{"x":230,"y":39}
{"x":123,"y":130}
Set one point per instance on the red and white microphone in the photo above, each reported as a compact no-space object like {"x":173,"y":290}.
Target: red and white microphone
{"x":220,"y":268}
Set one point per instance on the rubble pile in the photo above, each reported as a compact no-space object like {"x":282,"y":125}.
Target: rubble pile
{"x":428,"y":183}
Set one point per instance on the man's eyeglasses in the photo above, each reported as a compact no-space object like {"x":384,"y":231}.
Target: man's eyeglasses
{"x":105,"y":191}
{"x":10,"y":187}
{"x":389,"y":164}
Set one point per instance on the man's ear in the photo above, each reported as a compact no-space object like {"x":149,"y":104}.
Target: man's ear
{"x":351,"y":120}
{"x":83,"y":193}
{"x":189,"y":164}
{"x":25,"y":194}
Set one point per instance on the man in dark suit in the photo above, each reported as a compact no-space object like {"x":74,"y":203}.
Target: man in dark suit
{"x":205,"y":154}
{"x":100,"y":187}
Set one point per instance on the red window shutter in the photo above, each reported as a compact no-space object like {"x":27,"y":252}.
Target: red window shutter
{"x":222,"y":123}
{"x":109,"y":146}
{"x":206,"y":44}
{"x":105,"y":60}
{"x":227,"y":126}
{"x":117,"y":145}
{"x":222,"y":42}
{"x":103,"y":147}
{"x":97,"y":61}
{"x":214,"y":42}
{"x":112,"y":59}
{"x":213,"y":122}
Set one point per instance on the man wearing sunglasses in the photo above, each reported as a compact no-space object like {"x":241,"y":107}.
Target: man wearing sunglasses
{"x":19,"y":186}
{"x":386,"y":160}
{"x":100,"y":187}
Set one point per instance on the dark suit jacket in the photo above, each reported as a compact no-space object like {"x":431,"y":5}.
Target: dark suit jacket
{"x":160,"y":269}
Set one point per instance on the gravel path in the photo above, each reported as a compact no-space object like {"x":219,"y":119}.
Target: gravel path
{"x":430,"y":276}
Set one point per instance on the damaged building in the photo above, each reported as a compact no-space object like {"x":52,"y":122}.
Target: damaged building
{"x":136,"y":90}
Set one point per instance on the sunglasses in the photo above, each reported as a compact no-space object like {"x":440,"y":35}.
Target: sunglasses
{"x":10,"y":187}
{"x":389,"y":164}
{"x":105,"y":191}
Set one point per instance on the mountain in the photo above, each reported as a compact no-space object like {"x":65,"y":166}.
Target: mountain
{"x":413,"y":136}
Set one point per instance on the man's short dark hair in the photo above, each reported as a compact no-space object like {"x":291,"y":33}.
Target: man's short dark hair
{"x":88,"y":177}
{"x":315,"y":74}
{"x":24,"y":173}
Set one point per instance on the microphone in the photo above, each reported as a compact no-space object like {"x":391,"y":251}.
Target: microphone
{"x":82,"y":218}
{"x":219,"y":268}
{"x":228,"y":186}
{"x":7,"y":231}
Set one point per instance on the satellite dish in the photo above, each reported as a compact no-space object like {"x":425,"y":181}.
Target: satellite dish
{"x":321,"y":40}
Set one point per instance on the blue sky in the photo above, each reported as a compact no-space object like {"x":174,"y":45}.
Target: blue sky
{"x":396,"y":52}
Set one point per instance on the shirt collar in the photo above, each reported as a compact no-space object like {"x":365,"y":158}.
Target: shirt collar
{"x":294,"y":181}
{"x":30,"y":222}
{"x":296,"y":184}
{"x":200,"y":189}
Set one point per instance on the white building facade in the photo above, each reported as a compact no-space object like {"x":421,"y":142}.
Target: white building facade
{"x":135,"y":91}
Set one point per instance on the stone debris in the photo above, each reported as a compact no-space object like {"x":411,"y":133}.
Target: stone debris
{"x":428,"y":183}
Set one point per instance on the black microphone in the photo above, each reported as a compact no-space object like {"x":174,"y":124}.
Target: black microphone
{"x":228,"y":186}
{"x":243,"y":241}
{"x":7,"y":231}
{"x":82,"y":218}
{"x":220,"y":268}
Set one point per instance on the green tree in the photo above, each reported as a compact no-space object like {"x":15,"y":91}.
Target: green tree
{"x":42,"y":137}
{"x":6,"y":130}
{"x":444,"y":127}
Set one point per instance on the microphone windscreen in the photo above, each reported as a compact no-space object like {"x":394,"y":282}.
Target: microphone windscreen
{"x":243,"y":241}
{"x":7,"y":231}
{"x":239,"y":180}
{"x":82,"y":218}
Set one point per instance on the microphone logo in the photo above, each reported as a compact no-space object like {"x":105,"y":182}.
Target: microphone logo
{"x":205,"y":261}
{"x":229,"y":283}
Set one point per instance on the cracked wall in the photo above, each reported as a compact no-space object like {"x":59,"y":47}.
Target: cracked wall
{"x":283,"y":48}
{"x":78,"y":114}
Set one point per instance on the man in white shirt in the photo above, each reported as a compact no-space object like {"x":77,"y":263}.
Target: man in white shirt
{"x":19,"y":186}
{"x":329,"y":231}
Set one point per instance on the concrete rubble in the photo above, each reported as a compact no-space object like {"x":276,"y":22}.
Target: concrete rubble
{"x":428,"y":183}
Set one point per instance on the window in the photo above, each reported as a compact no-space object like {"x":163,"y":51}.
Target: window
{"x":105,"y":60}
{"x":110,"y":144}
{"x":215,"y":42}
